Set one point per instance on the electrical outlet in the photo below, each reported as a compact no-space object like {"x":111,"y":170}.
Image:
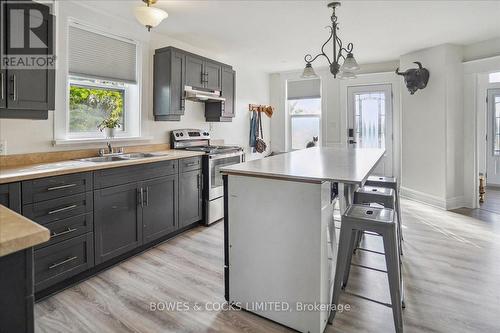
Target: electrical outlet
{"x":3,"y":147}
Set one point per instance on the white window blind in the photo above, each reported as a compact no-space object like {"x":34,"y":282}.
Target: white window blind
{"x":98,"y":56}
{"x":303,"y":89}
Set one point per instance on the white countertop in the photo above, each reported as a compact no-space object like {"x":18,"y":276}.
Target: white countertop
{"x":343,"y":165}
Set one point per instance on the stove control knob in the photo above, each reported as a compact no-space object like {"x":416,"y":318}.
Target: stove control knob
{"x":176,"y":134}
{"x":182,"y":134}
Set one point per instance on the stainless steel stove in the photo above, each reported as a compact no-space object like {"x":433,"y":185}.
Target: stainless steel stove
{"x":214,"y":159}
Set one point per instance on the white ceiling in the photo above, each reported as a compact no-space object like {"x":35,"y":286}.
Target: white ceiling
{"x":275,"y":35}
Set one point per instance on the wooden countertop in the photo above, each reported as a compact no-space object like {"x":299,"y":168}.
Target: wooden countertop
{"x":9,"y":175}
{"x":343,"y":165}
{"x":18,"y":233}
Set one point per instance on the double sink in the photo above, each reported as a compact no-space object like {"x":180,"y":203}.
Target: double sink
{"x":121,"y":157}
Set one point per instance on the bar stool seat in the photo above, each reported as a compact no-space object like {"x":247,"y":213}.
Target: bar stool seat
{"x":389,"y":182}
{"x":381,"y":221}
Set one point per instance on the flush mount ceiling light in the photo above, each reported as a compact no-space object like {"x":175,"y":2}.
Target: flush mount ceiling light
{"x":150,"y":16}
{"x":349,"y":66}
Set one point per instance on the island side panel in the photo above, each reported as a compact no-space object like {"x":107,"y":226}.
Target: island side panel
{"x":278,"y":248}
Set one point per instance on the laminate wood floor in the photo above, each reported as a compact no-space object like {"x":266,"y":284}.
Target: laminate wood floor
{"x":492,"y":200}
{"x":451,"y":269}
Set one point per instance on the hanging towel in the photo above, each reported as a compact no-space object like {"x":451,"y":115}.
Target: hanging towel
{"x":253,"y":129}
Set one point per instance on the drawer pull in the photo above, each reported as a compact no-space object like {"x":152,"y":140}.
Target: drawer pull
{"x":190,"y":164}
{"x":62,"y":262}
{"x":65,"y":232}
{"x":60,"y":187}
{"x":62,"y":209}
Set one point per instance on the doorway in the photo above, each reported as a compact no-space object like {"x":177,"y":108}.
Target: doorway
{"x":493,"y":135}
{"x":369,"y":119}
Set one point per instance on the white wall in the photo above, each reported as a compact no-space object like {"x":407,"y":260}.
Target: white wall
{"x":24,"y":136}
{"x":432,"y":130}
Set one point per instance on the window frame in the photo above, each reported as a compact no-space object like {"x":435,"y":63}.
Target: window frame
{"x":133,"y":94}
{"x":289,"y":116}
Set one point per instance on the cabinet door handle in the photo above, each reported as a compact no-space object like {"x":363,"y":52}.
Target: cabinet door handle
{"x":3,"y":84}
{"x":62,"y":209}
{"x":147,"y":196}
{"x":198,"y":181}
{"x":60,"y":187}
{"x":66,"y":261}
{"x":190,"y":164}
{"x":14,"y":87}
{"x":65,"y":232}
{"x":141,"y":196}
{"x":183,"y":103}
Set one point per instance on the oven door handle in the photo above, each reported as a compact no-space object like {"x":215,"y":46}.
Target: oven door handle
{"x":221,"y":156}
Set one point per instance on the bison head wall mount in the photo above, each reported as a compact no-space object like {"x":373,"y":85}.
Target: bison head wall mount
{"x":415,"y":78}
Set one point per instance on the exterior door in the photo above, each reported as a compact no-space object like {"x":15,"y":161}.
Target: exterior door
{"x":159,"y":214}
{"x":370,"y":122}
{"x":493,"y":149}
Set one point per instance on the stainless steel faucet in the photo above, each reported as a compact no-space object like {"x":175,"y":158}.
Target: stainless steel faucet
{"x":102,"y":151}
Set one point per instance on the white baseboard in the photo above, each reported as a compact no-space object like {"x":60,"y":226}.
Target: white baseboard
{"x":455,"y":202}
{"x":432,"y":200}
{"x":422,"y":197}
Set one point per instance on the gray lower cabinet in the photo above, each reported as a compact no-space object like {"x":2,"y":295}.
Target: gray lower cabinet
{"x":10,"y":196}
{"x":17,"y":300}
{"x":3,"y":92}
{"x":190,"y":198}
{"x":159,"y":210}
{"x":117,"y":220}
{"x":63,"y":260}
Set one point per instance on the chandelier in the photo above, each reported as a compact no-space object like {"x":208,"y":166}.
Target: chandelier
{"x":349,"y":66}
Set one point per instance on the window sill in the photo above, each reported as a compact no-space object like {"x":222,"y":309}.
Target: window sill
{"x":80,"y":141}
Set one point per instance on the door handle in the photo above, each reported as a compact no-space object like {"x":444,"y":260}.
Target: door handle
{"x":147,"y":196}
{"x":198,"y":181}
{"x":62,"y":262}
{"x":140,"y":192}
{"x":60,"y":187}
{"x":65,"y":232}
{"x":62,"y":209}
{"x":2,"y":76}
{"x":14,"y":87}
{"x":352,"y":142}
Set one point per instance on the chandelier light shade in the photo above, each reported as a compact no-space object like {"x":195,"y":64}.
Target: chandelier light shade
{"x":349,"y":66}
{"x":309,"y":72}
{"x":149,"y":16}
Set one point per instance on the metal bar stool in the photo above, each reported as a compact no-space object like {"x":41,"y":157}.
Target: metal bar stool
{"x":388,"y":182}
{"x":384,"y":196}
{"x":379,"y":221}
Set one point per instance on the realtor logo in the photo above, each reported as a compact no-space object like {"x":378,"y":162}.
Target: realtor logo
{"x":27,"y":35}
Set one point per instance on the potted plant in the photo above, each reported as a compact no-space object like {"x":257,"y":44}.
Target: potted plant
{"x":109,"y":125}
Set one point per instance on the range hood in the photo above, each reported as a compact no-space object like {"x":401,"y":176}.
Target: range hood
{"x":198,"y":95}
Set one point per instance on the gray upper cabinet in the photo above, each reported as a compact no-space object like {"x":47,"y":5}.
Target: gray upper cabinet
{"x":190,"y":198}
{"x":169,"y":80}
{"x":195,"y":75}
{"x":174,"y":69}
{"x":212,"y":73}
{"x":159,"y":211}
{"x":26,"y":93}
{"x":223,"y":111}
{"x":117,"y":221}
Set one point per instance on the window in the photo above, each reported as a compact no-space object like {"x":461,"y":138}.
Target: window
{"x":495,"y":77}
{"x":304,"y":109}
{"x":102,"y":84}
{"x":496,"y":126}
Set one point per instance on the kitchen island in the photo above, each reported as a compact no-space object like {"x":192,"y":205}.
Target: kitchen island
{"x":280,"y":244}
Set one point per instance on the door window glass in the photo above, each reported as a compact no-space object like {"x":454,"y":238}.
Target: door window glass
{"x":369,"y":119}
